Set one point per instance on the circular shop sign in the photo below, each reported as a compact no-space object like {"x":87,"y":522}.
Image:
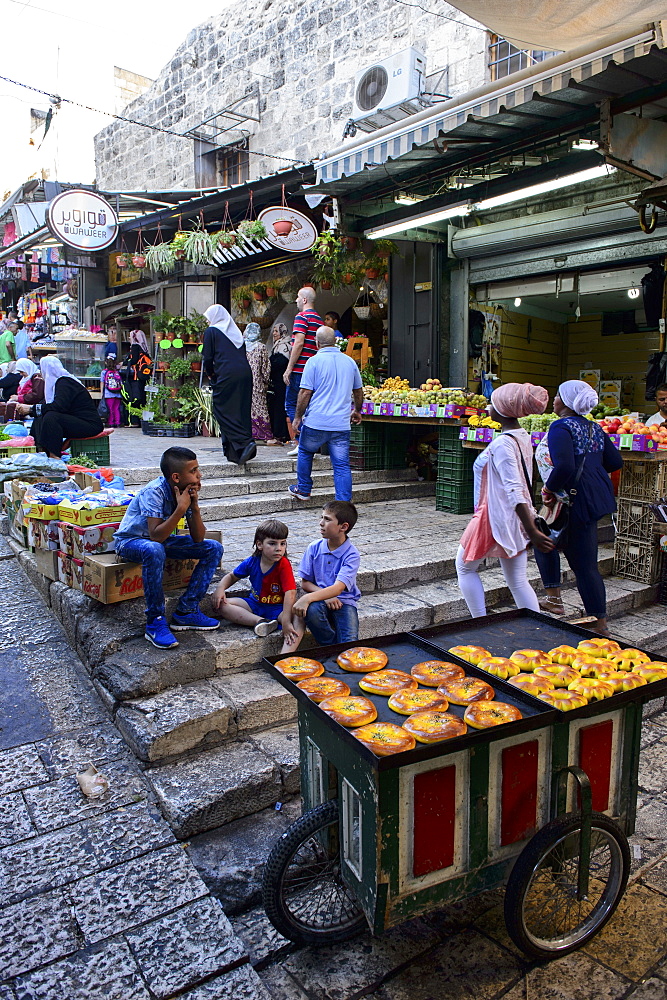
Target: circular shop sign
{"x":288,"y":229}
{"x":83,"y":220}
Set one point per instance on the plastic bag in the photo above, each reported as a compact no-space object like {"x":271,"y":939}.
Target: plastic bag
{"x":103,"y":409}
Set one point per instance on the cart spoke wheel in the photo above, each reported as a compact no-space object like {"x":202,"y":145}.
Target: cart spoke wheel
{"x":304,"y":895}
{"x":545,"y":915}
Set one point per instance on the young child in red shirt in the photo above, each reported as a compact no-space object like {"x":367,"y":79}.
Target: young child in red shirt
{"x":268,"y":607}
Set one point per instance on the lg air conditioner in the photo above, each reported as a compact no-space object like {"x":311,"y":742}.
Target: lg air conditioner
{"x":389,"y":90}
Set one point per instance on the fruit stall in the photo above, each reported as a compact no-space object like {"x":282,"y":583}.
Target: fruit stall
{"x":433,"y":769}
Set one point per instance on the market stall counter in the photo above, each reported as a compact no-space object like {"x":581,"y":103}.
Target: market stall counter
{"x":390,"y":835}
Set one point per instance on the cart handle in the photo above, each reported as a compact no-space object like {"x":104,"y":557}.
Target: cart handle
{"x":584,"y":783}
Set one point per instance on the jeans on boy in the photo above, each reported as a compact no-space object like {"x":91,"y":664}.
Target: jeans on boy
{"x":153,"y":555}
{"x":328,"y":626}
{"x":292,"y":394}
{"x":310,"y":442}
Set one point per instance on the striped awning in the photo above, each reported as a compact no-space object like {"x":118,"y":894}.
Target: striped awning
{"x":543,"y":93}
{"x":247,"y":248}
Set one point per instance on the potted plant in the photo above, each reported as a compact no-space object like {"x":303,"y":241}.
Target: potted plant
{"x":196,"y":325}
{"x":178,"y":244}
{"x":259,"y":292}
{"x":198,"y":247}
{"x":160,"y":258}
{"x":384,"y":249}
{"x":138,"y":261}
{"x":242,"y":296}
{"x":179,"y":368}
{"x":195,"y":359}
{"x":252,"y":229}
{"x":225,"y":238}
{"x":124,"y":260}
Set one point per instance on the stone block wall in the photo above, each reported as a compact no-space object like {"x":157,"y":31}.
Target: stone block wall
{"x":302,"y":56}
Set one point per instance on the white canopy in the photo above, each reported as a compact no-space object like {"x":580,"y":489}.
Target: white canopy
{"x":563,"y":24}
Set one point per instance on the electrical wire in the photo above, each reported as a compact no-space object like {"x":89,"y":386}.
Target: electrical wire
{"x":131,"y":121}
{"x":436,"y":13}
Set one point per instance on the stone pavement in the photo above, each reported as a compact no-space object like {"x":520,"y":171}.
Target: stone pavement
{"x":97,"y":899}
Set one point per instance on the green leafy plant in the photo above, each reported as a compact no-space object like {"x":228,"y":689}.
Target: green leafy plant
{"x":197,"y":324}
{"x":242,"y":294}
{"x":368,"y":376}
{"x":225,"y":238}
{"x":160,"y":258}
{"x":252,"y":229}
{"x":198,"y":247}
{"x":179,"y":368}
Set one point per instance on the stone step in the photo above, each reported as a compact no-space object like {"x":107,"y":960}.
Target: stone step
{"x":236,"y":486}
{"x":271,"y":503}
{"x":239,"y":699}
{"x":222,"y":470}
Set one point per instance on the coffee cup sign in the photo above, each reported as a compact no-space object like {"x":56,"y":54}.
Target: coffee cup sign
{"x":83,"y":220}
{"x":288,"y":229}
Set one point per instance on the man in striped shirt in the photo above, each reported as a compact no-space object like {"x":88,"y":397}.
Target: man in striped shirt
{"x":304,"y":346}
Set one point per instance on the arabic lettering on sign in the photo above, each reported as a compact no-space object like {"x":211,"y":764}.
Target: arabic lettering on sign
{"x":83,"y":220}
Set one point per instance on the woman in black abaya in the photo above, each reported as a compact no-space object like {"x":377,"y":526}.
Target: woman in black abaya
{"x":226,"y":364}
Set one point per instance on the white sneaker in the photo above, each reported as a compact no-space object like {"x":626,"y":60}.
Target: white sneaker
{"x":264,"y":628}
{"x":293,"y":451}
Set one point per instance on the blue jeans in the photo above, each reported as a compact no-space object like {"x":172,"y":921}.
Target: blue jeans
{"x":292,"y":394}
{"x":310,"y":442}
{"x":581,"y":552}
{"x":153,"y":555}
{"x":329,"y":626}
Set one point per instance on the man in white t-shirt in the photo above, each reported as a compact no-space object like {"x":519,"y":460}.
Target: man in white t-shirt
{"x":661,"y":399}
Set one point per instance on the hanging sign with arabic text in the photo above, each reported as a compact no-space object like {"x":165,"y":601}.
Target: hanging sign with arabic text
{"x":83,"y":220}
{"x":288,"y":229}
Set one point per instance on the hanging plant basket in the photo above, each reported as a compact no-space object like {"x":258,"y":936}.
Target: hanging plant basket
{"x":252,"y":229}
{"x":139,"y":261}
{"x":160,"y":258}
{"x":225,"y":238}
{"x":198,"y":247}
{"x":363,"y":312}
{"x":348,"y":278}
{"x":245,"y":303}
{"x":372,"y":273}
{"x":325,"y":286}
{"x":124,"y":260}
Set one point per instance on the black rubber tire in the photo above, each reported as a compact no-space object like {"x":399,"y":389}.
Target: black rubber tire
{"x":557,"y":841}
{"x":335,"y":914}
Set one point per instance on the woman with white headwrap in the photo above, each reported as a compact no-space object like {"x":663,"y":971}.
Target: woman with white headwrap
{"x":226,"y":363}
{"x":258,"y":359}
{"x":575,"y":445}
{"x":68,"y":410}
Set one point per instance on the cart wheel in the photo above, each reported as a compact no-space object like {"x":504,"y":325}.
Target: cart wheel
{"x":303,"y":894}
{"x":543,"y":913}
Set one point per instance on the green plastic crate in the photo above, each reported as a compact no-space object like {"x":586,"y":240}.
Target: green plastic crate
{"x":96,"y":449}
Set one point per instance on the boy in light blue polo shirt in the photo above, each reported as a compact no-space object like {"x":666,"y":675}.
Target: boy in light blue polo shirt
{"x":329,"y":578}
{"x":324,"y":412}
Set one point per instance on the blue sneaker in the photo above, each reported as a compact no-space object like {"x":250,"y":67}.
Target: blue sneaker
{"x":159,"y":634}
{"x":295,"y":492}
{"x":182,"y":620}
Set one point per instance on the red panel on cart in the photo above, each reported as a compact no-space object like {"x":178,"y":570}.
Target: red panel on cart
{"x":434,"y":820}
{"x":518,"y":802}
{"x":595,"y":749}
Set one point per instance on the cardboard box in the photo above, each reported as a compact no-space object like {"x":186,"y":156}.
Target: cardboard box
{"x":109,"y":581}
{"x":65,"y":537}
{"x":610,"y":393}
{"x":367,"y":406}
{"x":65,"y":568}
{"x":91,"y":541}
{"x":75,"y":512}
{"x":463,"y":434}
{"x":387,"y":409}
{"x":214,"y":533}
{"x":46,"y":562}
{"x":592,"y":376}
{"x":86,"y":479}
{"x":451,"y":410}
{"x":42,"y":511}
{"x":536,"y":437}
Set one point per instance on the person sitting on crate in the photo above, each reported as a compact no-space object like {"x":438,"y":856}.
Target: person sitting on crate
{"x":503,"y":524}
{"x":575,"y":459}
{"x":68,"y":410}
{"x":146,"y":535}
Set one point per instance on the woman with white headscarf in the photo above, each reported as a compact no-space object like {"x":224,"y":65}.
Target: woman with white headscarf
{"x":258,"y":359}
{"x":579,"y":447}
{"x":226,"y":363}
{"x":68,"y":410}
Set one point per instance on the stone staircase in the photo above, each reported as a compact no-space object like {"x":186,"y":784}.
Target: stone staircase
{"x":216,"y":734}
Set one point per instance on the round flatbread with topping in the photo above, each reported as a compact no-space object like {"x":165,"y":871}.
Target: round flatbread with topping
{"x":387,"y":682}
{"x":297,"y":668}
{"x":319,"y":688}
{"x":463,"y":690}
{"x":484,"y":714}
{"x":434,"y":726}
{"x":434,"y":672}
{"x":350,"y":710}
{"x":407,"y":702}
{"x":471,"y":654}
{"x":384,"y":738}
{"x":362,"y":659}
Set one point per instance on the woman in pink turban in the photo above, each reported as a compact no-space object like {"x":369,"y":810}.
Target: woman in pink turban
{"x":503,"y":524}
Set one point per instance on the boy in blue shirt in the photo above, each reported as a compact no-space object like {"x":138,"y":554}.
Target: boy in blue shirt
{"x":145,"y":536}
{"x":329,"y":578}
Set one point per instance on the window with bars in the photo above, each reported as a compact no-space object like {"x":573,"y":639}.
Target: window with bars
{"x":232,"y":164}
{"x":505,"y":58}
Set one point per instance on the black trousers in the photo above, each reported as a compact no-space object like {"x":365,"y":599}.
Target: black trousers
{"x":52,"y":428}
{"x":232,"y":398}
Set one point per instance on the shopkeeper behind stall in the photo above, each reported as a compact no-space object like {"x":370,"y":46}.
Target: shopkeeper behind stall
{"x":661,"y":399}
{"x":68,"y":411}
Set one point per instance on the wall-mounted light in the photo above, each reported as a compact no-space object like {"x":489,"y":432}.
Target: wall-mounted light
{"x":517,"y":301}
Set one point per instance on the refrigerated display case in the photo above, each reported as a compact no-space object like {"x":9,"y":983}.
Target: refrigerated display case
{"x":82,"y":354}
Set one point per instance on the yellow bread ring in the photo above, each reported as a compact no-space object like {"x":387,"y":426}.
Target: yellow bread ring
{"x":592,"y":688}
{"x":589,"y":666}
{"x":408,"y":702}
{"x":532,"y":684}
{"x":387,"y":681}
{"x":499,"y":666}
{"x":563,"y":699}
{"x":434,"y":672}
{"x":350,"y":710}
{"x":652,"y":671}
{"x":484,"y":714}
{"x":599,"y":647}
{"x":559,"y":676}
{"x":463,"y":690}
{"x":622,"y":680}
{"x":362,"y":659}
{"x":473,"y":654}
{"x":384,"y":738}
{"x":528,"y":659}
{"x":298,"y":668}
{"x":432,"y":727}
{"x":563,"y":654}
{"x":319,"y":688}
{"x":628,"y":659}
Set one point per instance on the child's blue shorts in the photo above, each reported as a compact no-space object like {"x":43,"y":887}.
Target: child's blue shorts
{"x":268,"y":611}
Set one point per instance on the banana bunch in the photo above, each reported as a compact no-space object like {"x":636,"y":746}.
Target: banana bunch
{"x":485,"y":421}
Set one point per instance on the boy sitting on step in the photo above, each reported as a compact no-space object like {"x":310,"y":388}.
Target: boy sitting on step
{"x":268,"y":607}
{"x":145,"y":535}
{"x":329,"y":578}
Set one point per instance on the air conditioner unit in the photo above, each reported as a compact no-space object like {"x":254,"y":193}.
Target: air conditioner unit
{"x":389,"y":90}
